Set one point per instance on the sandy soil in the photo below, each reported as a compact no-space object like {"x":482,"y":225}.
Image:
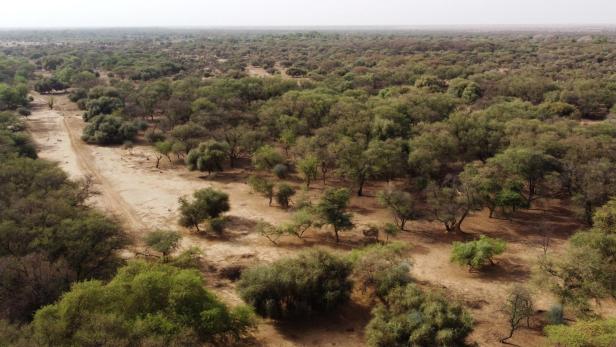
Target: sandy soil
{"x":145,"y":198}
{"x":257,"y":71}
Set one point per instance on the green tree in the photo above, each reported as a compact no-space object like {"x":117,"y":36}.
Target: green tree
{"x":380,"y":268}
{"x":400,"y":203}
{"x":451,"y":204}
{"x":209,"y":156}
{"x":144,"y":302}
{"x":107,"y":130}
{"x":163,"y":148}
{"x":284,"y":192}
{"x":312,"y":282}
{"x":308,"y":167}
{"x":266,"y":157}
{"x":518,"y":307}
{"x":411,"y":317}
{"x":588,"y":269}
{"x":262,"y":186}
{"x":207,"y":204}
{"x":477,"y":254}
{"x":528,"y":164}
{"x":331,"y":210}
{"x":163,"y":241}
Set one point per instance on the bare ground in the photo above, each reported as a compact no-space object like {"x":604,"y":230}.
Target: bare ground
{"x":145,"y":198}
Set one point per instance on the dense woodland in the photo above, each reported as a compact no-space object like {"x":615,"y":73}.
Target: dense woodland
{"x":433,"y":126}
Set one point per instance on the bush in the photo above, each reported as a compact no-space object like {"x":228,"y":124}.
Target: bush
{"x":316,"y":281}
{"x":555,"y":315}
{"x":209,"y":156}
{"x":163,"y":241}
{"x":207,"y":204}
{"x":154,"y":136}
{"x":414,"y":318}
{"x":280,"y":170}
{"x":77,"y":94}
{"x":23,"y":111}
{"x":262,"y":186}
{"x":103,"y":105}
{"x":381,"y":268}
{"x":266,"y":158}
{"x":108,"y":130}
{"x":598,"y":333}
{"x":477,"y":254}
{"x":145,"y":304}
{"x":401,"y":204}
{"x":284,"y":194}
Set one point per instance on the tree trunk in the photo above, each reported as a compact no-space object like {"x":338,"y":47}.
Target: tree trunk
{"x":508,"y":337}
{"x":361,"y":182}
{"x":337,"y":237}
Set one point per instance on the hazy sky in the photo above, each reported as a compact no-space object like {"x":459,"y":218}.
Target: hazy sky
{"x":113,"y":13}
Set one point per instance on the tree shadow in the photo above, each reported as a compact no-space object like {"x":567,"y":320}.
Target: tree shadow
{"x":350,"y":317}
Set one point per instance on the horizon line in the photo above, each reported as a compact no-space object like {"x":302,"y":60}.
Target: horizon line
{"x":330,"y":26}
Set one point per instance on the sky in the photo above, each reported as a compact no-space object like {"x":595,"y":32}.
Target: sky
{"x":225,"y":13}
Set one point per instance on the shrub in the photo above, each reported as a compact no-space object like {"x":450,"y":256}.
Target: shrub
{"x":266,"y":158}
{"x":477,"y":254}
{"x":207,"y":204}
{"x":284,"y":194}
{"x":380,"y":268}
{"x":209,"y":156}
{"x":414,"y":318}
{"x":555,"y":315}
{"x":145,"y":304}
{"x":598,"y":333}
{"x":103,"y":105}
{"x":316,"y":281}
{"x":163,"y":241}
{"x":23,"y":111}
{"x":107,"y":130}
{"x":153,"y":136}
{"x":280,"y":170}
{"x":262,"y":186}
{"x":331,"y":210}
{"x":77,"y":94}
{"x":401,"y":204}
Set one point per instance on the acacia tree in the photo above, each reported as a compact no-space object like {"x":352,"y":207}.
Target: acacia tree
{"x":451,"y":204}
{"x":518,"y":307}
{"x":411,"y":317}
{"x":163,"y":148}
{"x":477,"y":254}
{"x":207,"y":204}
{"x":308,"y":167}
{"x":378,"y":269}
{"x":262,"y":186}
{"x":209,"y":156}
{"x":401,"y":204}
{"x":528,"y":164}
{"x":359,"y":161}
{"x":163,"y":241}
{"x":588,"y":268}
{"x":266,"y":158}
{"x":332,"y":210}
{"x":493,"y":188}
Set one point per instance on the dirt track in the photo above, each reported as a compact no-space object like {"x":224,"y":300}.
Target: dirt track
{"x":145,"y":198}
